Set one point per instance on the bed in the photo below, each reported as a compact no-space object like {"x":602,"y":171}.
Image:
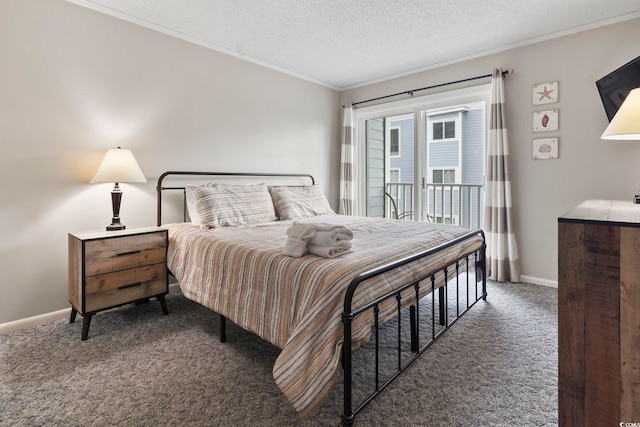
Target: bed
{"x":317,"y":309}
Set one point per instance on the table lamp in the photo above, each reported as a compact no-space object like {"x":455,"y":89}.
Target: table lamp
{"x":117,"y":166}
{"x":625,"y":125}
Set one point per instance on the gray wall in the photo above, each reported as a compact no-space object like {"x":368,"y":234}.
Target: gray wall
{"x":588,"y":167}
{"x":74,"y":82}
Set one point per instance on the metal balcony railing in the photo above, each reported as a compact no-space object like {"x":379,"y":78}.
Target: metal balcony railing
{"x":460,"y":204}
{"x":400,"y":198}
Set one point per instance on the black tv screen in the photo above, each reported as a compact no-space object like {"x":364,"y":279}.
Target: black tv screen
{"x":615,"y":86}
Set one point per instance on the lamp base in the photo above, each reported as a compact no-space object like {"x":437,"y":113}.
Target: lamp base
{"x":116,"y":197}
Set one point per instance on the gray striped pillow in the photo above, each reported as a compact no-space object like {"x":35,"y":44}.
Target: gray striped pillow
{"x":221,"y":205}
{"x":299,"y":202}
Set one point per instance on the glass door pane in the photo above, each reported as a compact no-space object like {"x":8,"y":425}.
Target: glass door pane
{"x":390,"y":160}
{"x":376,"y":170}
{"x":453,"y":164}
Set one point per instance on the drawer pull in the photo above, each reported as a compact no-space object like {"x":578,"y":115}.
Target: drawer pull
{"x":130,"y":286}
{"x":129,"y":253}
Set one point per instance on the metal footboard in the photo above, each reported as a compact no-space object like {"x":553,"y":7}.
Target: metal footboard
{"x":471,"y":264}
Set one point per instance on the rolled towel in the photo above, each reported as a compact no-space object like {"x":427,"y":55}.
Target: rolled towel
{"x":295,"y":247}
{"x":328,"y":251}
{"x":329,"y":234}
{"x":301,"y":231}
{"x":299,"y":235}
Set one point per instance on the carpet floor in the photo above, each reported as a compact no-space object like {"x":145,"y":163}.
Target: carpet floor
{"x":497,"y":366}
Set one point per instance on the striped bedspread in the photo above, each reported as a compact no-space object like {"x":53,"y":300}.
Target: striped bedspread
{"x":296,"y":303}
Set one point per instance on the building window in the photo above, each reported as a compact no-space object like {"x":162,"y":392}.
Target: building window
{"x":444,"y":130}
{"x":394,"y":175}
{"x":444,"y":176}
{"x":394,"y":141}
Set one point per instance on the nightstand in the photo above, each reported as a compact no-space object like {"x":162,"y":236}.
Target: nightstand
{"x":111,"y":268}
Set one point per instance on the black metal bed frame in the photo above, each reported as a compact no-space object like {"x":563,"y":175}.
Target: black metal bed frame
{"x":474,"y":260}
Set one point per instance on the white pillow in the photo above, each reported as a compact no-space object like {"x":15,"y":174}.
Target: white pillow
{"x":299,"y":202}
{"x":192,"y":208}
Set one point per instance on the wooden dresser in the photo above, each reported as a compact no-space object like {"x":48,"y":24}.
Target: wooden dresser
{"x":599,"y":314}
{"x":111,"y":268}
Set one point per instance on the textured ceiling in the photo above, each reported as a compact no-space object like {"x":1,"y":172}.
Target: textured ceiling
{"x":346,"y":43}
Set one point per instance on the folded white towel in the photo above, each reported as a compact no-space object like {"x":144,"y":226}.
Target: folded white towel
{"x":339,"y":244}
{"x":328,"y":238}
{"x":328,"y":251}
{"x":329,"y":234}
{"x":325,"y":240}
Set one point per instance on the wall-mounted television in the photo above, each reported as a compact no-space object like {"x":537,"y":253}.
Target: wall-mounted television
{"x":615,"y":86}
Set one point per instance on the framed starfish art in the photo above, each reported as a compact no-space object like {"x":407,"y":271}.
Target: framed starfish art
{"x":545,"y":93}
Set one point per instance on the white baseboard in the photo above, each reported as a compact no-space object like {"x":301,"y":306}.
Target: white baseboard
{"x":35,"y":320}
{"x":42,"y":318}
{"x":538,"y":281}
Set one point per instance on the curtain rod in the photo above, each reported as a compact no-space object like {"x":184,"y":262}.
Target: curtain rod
{"x":410,"y":92}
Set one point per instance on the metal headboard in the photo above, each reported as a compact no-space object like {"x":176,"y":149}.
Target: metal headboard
{"x":160,"y":188}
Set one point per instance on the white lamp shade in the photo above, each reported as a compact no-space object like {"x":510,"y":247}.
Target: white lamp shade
{"x":118,"y":165}
{"x":626,"y":123}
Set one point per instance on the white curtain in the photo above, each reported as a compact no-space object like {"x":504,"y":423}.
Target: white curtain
{"x":347,"y":188}
{"x":502,"y":250}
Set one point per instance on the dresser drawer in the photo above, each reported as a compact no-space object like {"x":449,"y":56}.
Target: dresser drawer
{"x":111,"y":289}
{"x":121,"y":253}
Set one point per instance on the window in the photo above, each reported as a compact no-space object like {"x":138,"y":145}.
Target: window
{"x":394,"y":175}
{"x":394,"y":141}
{"x":444,"y":130}
{"x":444,"y":176}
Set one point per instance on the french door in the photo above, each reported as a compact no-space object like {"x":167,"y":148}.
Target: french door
{"x":424,"y":158}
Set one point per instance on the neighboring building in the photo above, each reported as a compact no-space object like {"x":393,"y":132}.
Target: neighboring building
{"x":455,"y":155}
{"x":401,"y":159}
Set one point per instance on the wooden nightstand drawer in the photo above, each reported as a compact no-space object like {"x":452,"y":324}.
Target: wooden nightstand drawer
{"x":108,"y":269}
{"x":111,"y":289}
{"x":121,"y":253}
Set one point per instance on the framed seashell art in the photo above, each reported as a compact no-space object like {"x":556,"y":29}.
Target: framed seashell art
{"x":545,"y":148}
{"x":546,"y":120}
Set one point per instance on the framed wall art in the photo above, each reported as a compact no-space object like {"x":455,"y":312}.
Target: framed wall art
{"x":545,"y":120}
{"x":545,"y":148}
{"x":545,"y":93}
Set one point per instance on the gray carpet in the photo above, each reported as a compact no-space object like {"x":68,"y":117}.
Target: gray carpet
{"x":497,"y":366}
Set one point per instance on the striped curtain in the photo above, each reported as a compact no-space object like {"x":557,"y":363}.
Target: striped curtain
{"x":347,"y":188}
{"x":502,"y":250}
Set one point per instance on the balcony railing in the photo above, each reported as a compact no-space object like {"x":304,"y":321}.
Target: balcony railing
{"x":400,"y":201}
{"x":460,"y":204}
